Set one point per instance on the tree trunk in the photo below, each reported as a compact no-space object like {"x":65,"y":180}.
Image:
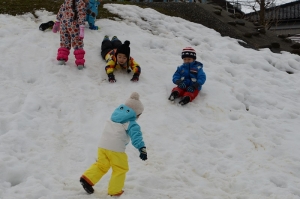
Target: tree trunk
{"x":262,"y":5}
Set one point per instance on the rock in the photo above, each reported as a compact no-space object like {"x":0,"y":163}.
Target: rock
{"x":249,"y":35}
{"x":296,"y":51}
{"x":255,"y":34}
{"x":287,"y":40}
{"x":218,"y":8}
{"x":240,"y":22}
{"x":259,"y":27}
{"x":233,"y":23}
{"x":296,"y":46}
{"x":218,"y":12}
{"x":232,"y":16}
{"x":262,"y":31}
{"x":245,"y":45}
{"x":265,"y":46}
{"x":275,"y":45}
{"x":282,"y":36}
{"x":238,"y":15}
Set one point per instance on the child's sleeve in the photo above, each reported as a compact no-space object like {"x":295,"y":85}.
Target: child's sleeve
{"x":201,"y":76}
{"x":88,"y":7}
{"x":110,"y":63}
{"x":135,"y":67}
{"x":176,"y":75}
{"x":135,"y":134}
{"x":60,"y":13}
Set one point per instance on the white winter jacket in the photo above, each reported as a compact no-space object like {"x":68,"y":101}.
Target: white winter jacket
{"x":114,"y":136}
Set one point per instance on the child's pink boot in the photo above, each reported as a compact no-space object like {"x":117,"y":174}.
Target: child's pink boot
{"x":79,"y":56}
{"x":62,"y":55}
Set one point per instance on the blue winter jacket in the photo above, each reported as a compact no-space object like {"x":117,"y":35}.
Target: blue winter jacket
{"x":93,"y":7}
{"x":189,"y":73}
{"x":124,"y":114}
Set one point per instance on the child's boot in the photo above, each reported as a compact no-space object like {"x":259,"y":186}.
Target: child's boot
{"x":62,"y":55}
{"x":87,"y":187}
{"x":93,"y":27}
{"x":106,"y":37}
{"x":79,"y":56}
{"x":185,"y":100}
{"x":174,"y":95}
{"x":114,"y":38}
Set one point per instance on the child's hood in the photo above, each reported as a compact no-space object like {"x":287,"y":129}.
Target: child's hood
{"x":123,"y":114}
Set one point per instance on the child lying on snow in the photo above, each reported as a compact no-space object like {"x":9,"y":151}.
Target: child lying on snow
{"x":117,"y":55}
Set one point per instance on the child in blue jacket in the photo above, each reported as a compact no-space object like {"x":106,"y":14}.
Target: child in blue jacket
{"x":116,"y":134}
{"x":91,"y":13}
{"x":189,"y":77}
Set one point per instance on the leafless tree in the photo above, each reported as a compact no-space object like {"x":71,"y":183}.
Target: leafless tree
{"x":259,"y":7}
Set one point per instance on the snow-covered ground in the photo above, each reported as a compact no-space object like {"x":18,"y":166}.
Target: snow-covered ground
{"x":239,"y":139}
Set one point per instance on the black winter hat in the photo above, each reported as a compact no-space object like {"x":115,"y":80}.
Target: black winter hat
{"x":188,"y":52}
{"x":124,"y":49}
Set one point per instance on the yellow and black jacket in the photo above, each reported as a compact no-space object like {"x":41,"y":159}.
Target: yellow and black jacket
{"x":111,"y":64}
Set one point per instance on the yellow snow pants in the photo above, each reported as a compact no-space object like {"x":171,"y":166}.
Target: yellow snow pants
{"x":118,"y":161}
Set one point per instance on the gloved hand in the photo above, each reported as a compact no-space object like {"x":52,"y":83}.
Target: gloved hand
{"x":111,"y":78}
{"x":180,"y":83}
{"x":190,"y":89}
{"x":81,"y":32}
{"x":56,"y":27}
{"x":135,"y":78}
{"x":193,"y":87}
{"x":143,"y":153}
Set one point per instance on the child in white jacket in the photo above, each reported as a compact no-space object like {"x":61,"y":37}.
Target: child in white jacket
{"x":111,"y":152}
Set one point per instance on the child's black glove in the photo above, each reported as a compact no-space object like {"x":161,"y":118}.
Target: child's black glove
{"x":135,"y":78}
{"x":193,"y":87}
{"x":143,"y":153}
{"x":190,"y":89}
{"x":111,"y":78}
{"x":180,"y":83}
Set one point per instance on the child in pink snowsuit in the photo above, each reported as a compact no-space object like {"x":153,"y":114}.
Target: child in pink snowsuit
{"x":70,"y":22}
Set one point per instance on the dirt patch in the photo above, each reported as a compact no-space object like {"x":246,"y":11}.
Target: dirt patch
{"x":225,"y":23}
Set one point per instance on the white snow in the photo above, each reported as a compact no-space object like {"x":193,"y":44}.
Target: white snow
{"x":239,"y":139}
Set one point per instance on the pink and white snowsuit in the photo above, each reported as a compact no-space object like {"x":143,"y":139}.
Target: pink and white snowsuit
{"x":71,"y":15}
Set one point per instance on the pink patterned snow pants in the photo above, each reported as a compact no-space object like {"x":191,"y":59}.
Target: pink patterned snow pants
{"x":69,"y":36}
